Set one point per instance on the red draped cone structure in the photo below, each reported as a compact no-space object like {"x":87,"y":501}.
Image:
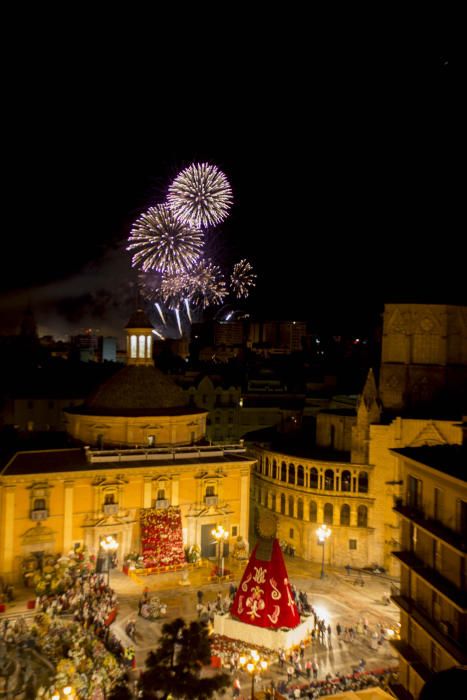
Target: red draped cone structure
{"x":264,"y":597}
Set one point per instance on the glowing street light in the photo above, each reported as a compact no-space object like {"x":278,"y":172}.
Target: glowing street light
{"x":254,"y":664}
{"x":110,"y":546}
{"x":220,"y":535}
{"x":67,"y":692}
{"x":323,"y":533}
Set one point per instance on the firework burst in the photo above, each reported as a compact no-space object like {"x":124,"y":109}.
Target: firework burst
{"x":242,"y":278}
{"x":174,"y":290}
{"x":162,"y":242}
{"x":206,"y":285}
{"x":200,"y":195}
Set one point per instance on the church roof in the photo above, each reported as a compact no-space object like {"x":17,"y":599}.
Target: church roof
{"x":136,"y":391}
{"x":139,"y":320}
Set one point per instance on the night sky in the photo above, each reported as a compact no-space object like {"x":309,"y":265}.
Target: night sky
{"x":343,"y":167}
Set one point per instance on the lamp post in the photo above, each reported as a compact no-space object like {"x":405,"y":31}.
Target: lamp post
{"x":220,"y":535}
{"x":323,"y":533}
{"x":254,"y":664}
{"x":110,"y":546}
{"x":67,"y":692}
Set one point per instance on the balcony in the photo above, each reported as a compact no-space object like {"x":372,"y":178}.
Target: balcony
{"x":436,"y":630}
{"x":161,"y":503}
{"x":211,"y":500}
{"x":433,"y":578}
{"x":110,"y":508}
{"x":39,"y":514}
{"x":432,"y":526}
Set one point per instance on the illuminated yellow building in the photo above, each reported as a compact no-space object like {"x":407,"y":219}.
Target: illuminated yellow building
{"x":141,"y":448}
{"x":433,"y":560}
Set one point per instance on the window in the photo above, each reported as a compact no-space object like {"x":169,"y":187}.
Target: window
{"x":328,"y":513}
{"x":362,"y":516}
{"x":283,"y":471}
{"x":291,"y":533}
{"x":282,"y":504}
{"x":352,"y":544}
{"x":291,"y":474}
{"x":300,"y":476}
{"x":273,"y":502}
{"x":109,"y":499}
{"x":363,"y":482}
{"x":437,"y":504}
{"x":313,"y":478}
{"x":414,"y":493}
{"x":161,"y":495}
{"x":133,"y":346}
{"x":234,"y":530}
{"x":148,"y":346}
{"x":151,"y":440}
{"x":461,"y":516}
{"x":313,"y":512}
{"x":274,"y":469}
{"x":210,"y":491}
{"x":346,"y":481}
{"x":39,"y":504}
{"x":345,"y":514}
{"x":437,"y":564}
{"x":291,"y":506}
{"x":300,"y":509}
{"x":329,"y":480}
{"x":142,"y":345}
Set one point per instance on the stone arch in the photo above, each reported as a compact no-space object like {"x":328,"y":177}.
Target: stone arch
{"x":345,"y":514}
{"x":328,"y":513}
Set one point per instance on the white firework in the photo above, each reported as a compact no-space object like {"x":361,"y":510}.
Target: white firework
{"x":200,"y":195}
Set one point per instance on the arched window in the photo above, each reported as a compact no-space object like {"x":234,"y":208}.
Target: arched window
{"x":313,"y":478}
{"x":313,"y":512}
{"x":267,"y":466}
{"x":283,"y":504}
{"x":300,"y":476}
{"x":363,"y":482}
{"x":300,"y":509}
{"x":328,"y":513}
{"x":346,"y":480}
{"x":362,"y":516}
{"x":283,"y":471}
{"x":291,"y":504}
{"x":345,"y":514}
{"x":291,"y":474}
{"x":39,"y":504}
{"x":329,"y":480}
{"x":273,"y":502}
{"x":274,"y":469}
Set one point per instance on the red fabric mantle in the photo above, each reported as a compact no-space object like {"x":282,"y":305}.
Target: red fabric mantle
{"x":264,"y":598}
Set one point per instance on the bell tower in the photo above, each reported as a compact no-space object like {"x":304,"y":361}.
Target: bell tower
{"x":368,"y":413}
{"x":139,"y":340}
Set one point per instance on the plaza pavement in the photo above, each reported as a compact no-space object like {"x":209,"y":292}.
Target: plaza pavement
{"x":335,"y":597}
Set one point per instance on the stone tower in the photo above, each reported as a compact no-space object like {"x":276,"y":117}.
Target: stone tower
{"x":368,"y":412}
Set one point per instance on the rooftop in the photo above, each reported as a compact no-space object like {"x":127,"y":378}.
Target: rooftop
{"x":449,"y":459}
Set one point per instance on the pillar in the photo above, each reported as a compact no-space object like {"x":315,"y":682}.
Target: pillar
{"x":147,"y":493}
{"x":68,"y":516}
{"x":8,"y":529}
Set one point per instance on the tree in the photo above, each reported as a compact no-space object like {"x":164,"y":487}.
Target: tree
{"x":174,"y":668}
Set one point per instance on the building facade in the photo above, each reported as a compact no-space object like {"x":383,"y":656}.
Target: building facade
{"x":142,"y":447}
{"x":433,"y":560}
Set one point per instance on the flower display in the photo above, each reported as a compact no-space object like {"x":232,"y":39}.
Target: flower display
{"x":161,"y":537}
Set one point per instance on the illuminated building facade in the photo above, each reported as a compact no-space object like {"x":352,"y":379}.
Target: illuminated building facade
{"x":433,"y":560}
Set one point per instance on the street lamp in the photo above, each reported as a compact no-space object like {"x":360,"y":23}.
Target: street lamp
{"x":110,"y":546}
{"x":254,"y":664}
{"x":220,"y":535}
{"x":323,"y":533}
{"x":67,"y":692}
